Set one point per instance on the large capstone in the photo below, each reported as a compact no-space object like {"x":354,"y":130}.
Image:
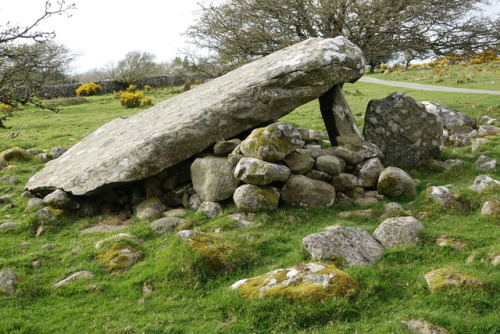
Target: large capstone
{"x":143,"y":145}
{"x":403,"y":129}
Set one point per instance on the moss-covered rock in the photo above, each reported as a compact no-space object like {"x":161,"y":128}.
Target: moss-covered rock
{"x":491,"y":208}
{"x":309,"y":282}
{"x":16,"y":153}
{"x":301,"y":191}
{"x":272,"y":143}
{"x":419,"y":326}
{"x":216,"y":254}
{"x":450,"y":278}
{"x":120,"y":256}
{"x":150,"y":208}
{"x":395,"y":182}
{"x":249,"y":198}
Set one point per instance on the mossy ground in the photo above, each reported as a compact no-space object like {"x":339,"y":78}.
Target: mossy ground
{"x":190,"y":297}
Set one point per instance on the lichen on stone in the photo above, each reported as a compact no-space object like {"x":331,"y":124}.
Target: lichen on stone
{"x":120,"y":256}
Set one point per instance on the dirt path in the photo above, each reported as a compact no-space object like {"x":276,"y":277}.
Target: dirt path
{"x":426,"y":87}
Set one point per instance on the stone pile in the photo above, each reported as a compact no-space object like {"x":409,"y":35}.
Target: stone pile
{"x":276,"y":165}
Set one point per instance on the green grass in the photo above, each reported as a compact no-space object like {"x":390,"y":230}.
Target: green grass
{"x":189,"y":297}
{"x":473,"y":76}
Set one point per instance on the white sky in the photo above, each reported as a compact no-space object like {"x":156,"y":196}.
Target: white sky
{"x":102,"y":31}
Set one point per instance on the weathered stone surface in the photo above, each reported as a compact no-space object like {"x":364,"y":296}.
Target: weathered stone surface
{"x":476,"y":144}
{"x":485,"y":163}
{"x":56,"y":152}
{"x":8,"y":281}
{"x":250,"y":198}
{"x":8,"y":179}
{"x":403,"y":129}
{"x":115,"y":237}
{"x":16,"y":153}
{"x":450,"y":278}
{"x":213,"y":178}
{"x":330,"y":164}
{"x":452,"y":120}
{"x":398,"y":231}
{"x":120,"y":257}
{"x":8,"y":225}
{"x":483,"y":182}
{"x":224,"y":147}
{"x":259,"y":172}
{"x":142,"y":145}
{"x":395,"y":182}
{"x":301,"y":191}
{"x":60,"y":199}
{"x":33,"y":203}
{"x":166,"y":225}
{"x":369,"y":173}
{"x":150,"y":208}
{"x":79,"y":275}
{"x":363,"y":148}
{"x":211,"y":209}
{"x":304,"y":282}
{"x":350,"y":244}
{"x":443,"y":196}
{"x":350,"y":157}
{"x":345,"y":181}
{"x":272,"y":143}
{"x":491,"y":208}
{"x":299,"y":163}
{"x":419,"y":326}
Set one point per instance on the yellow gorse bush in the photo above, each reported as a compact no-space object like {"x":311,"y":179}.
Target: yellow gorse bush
{"x":88,"y":89}
{"x":6,"y":109}
{"x":131,"y":100}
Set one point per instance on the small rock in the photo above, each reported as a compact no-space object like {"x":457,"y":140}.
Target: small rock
{"x":36,"y":264}
{"x":56,"y":152}
{"x":490,"y":208}
{"x":449,"y":278}
{"x":350,"y":157}
{"x":398,"y":231}
{"x":79,"y":275}
{"x":147,"y":288}
{"x":195,"y":202}
{"x":344,"y":181}
{"x":49,"y":246}
{"x":330,"y":164}
{"x":8,"y":281}
{"x":60,"y":199}
{"x":250,"y":198}
{"x":488,"y":130}
{"x":179,"y":212}
{"x":357,"y":213}
{"x":33,"y":203}
{"x":185,"y":235}
{"x":8,"y":179}
{"x":484,"y":181}
{"x":211,"y":209}
{"x":103,"y":228}
{"x":366,"y":201}
{"x":485,"y":163}
{"x":350,"y":244}
{"x":258,"y":172}
{"x":476,"y":144}
{"x":443,"y":196}
{"x":495,"y":259}
{"x":301,"y":191}
{"x":8,"y":225}
{"x":418,"y":326}
{"x":5,"y":199}
{"x":120,"y":257}
{"x":369,"y":173}
{"x":150,"y":208}
{"x":76,"y":250}
{"x":395,"y":182}
{"x":242,"y":220}
{"x":224,"y":147}
{"x":299,"y":163}
{"x":166,"y":225}
{"x":445,"y":241}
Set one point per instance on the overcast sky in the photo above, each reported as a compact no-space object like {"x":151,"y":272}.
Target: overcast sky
{"x":105,"y":30}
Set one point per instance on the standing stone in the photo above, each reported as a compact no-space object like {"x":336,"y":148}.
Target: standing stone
{"x":398,"y":231}
{"x":213,"y":178}
{"x":341,"y":243}
{"x":272,"y":143}
{"x":142,"y":145}
{"x":301,"y":191}
{"x":395,"y":182}
{"x":403,"y":129}
{"x":259,"y":172}
{"x":250,"y":198}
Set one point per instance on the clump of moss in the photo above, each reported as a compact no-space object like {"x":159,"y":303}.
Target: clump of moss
{"x":449,"y":278}
{"x":120,"y":256}
{"x":216,"y":254}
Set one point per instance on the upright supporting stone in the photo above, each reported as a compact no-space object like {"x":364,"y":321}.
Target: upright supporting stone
{"x":337,"y":115}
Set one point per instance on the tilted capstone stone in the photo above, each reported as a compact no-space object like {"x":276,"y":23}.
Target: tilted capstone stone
{"x":145,"y":144}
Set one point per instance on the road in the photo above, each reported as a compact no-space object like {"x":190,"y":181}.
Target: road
{"x":427,"y":87}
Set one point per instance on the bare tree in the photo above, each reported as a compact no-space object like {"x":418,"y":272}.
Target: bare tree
{"x":237,"y":31}
{"x":28,"y":57}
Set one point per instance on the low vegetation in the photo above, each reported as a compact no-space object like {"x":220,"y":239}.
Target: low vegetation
{"x":178,"y":287}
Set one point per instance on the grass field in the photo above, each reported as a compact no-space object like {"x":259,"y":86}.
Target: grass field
{"x":189,"y":297}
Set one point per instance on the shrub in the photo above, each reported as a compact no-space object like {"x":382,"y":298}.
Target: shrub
{"x":88,"y":89}
{"x":132,"y":88}
{"x":6,"y":109}
{"x":147,"y":88}
{"x":131,"y":100}
{"x":147,"y":101}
